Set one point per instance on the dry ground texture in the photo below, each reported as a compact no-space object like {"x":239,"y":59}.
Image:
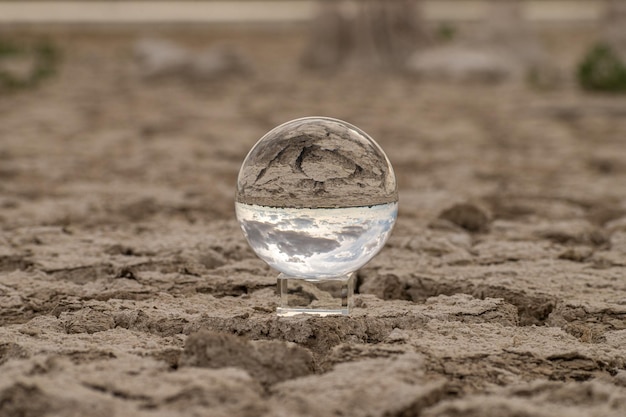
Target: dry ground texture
{"x":126,"y":287}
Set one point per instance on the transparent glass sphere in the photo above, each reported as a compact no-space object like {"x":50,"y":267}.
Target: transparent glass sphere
{"x":316,"y":198}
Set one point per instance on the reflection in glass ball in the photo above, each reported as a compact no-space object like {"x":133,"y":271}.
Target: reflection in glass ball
{"x":316,"y":198}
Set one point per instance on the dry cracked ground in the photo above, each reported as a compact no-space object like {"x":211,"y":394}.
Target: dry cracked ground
{"x":126,"y":287}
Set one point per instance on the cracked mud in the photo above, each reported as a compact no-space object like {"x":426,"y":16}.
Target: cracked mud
{"x":317,"y":163}
{"x":127,"y":288}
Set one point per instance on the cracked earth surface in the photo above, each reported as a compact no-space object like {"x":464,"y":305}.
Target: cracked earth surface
{"x":127,"y":288}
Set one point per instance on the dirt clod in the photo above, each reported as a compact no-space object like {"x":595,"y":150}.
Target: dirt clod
{"x":268,"y":361}
{"x":467,"y":216}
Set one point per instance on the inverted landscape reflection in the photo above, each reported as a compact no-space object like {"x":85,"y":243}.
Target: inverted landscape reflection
{"x":317,"y":243}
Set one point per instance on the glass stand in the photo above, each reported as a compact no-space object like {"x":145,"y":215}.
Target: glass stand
{"x":322,"y":297}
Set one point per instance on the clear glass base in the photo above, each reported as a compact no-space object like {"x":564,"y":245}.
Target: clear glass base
{"x":321,"y":297}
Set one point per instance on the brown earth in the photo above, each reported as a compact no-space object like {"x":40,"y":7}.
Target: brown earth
{"x":126,"y":287}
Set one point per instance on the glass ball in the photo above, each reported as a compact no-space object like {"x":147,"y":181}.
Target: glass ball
{"x":316,"y":198}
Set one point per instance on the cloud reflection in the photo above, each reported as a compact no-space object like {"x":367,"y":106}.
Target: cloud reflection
{"x":312,"y":243}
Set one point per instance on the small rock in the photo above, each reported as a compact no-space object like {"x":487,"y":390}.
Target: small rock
{"x":467,"y":216}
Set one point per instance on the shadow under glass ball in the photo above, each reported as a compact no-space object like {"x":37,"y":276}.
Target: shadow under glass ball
{"x":316,"y":198}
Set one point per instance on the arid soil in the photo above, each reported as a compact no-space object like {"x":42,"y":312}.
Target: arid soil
{"x":127,"y":288}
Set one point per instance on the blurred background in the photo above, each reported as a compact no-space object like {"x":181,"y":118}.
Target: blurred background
{"x":131,"y":111}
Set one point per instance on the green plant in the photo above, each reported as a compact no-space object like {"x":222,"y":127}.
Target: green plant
{"x":446,"y":32}
{"x":602,"y":70}
{"x":45,"y":58}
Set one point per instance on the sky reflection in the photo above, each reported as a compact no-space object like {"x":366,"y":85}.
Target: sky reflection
{"x":315,"y":243}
